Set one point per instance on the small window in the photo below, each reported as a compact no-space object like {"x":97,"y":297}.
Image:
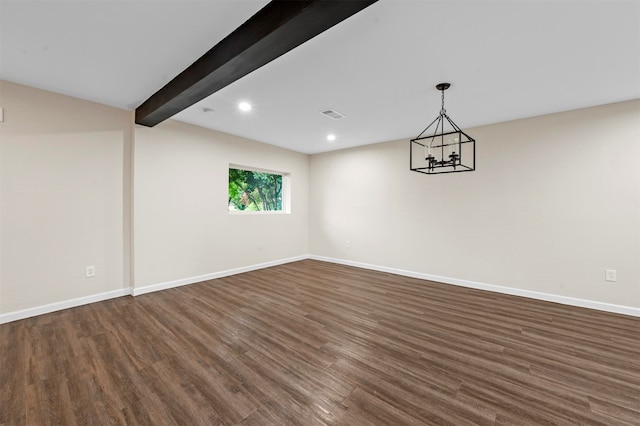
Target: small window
{"x":257,"y":190}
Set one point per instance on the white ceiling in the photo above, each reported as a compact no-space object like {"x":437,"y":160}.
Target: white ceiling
{"x":505,"y":60}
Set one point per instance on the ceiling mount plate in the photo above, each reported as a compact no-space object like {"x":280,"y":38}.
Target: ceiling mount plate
{"x":443,"y":86}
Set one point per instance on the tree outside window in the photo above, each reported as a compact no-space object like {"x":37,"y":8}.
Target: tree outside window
{"x":254,"y":191}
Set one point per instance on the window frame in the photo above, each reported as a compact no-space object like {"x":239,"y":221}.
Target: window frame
{"x":285,"y":191}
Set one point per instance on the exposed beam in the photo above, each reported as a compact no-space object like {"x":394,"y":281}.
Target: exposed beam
{"x":277,"y":28}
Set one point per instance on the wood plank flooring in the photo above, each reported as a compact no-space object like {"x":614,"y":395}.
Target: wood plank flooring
{"x":312,"y":343}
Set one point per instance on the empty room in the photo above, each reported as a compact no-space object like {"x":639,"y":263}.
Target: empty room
{"x":364,"y":212}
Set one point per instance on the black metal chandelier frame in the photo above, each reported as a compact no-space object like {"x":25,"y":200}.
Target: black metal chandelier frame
{"x":444,"y":151}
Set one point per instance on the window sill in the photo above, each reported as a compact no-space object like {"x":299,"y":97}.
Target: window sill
{"x":258,"y":213}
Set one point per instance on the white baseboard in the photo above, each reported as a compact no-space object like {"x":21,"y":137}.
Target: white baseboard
{"x":137,"y":291}
{"x":572,"y":301}
{"x":66,"y":304}
{"x":58,"y":306}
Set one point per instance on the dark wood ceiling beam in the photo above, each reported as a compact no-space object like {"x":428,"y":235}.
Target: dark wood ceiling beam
{"x":277,"y":28}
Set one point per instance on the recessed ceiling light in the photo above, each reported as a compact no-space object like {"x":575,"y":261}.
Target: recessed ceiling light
{"x":208,"y":111}
{"x":331,"y":137}
{"x":244,"y":106}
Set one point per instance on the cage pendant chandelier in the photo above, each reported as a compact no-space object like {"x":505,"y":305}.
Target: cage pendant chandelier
{"x":443,"y":148}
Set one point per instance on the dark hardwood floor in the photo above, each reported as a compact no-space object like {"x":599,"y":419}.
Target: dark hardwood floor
{"x":313,"y":343}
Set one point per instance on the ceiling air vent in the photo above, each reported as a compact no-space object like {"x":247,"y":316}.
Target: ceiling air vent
{"x":334,"y":115}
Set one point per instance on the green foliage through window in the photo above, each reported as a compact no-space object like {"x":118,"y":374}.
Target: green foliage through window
{"x":254,"y":191}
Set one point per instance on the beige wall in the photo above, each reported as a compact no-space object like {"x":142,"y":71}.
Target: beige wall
{"x":554,"y":201}
{"x":67,"y":169}
{"x":61,"y":193}
{"x":182,"y":225}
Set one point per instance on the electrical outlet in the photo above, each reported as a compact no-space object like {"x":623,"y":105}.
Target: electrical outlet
{"x":347,"y":244}
{"x":610,"y":275}
{"x":90,"y":271}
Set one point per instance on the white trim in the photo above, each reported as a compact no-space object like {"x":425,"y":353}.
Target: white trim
{"x":185,"y":281}
{"x":256,"y":212}
{"x":66,"y":304}
{"x":565,"y":300}
{"x":58,"y":306}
